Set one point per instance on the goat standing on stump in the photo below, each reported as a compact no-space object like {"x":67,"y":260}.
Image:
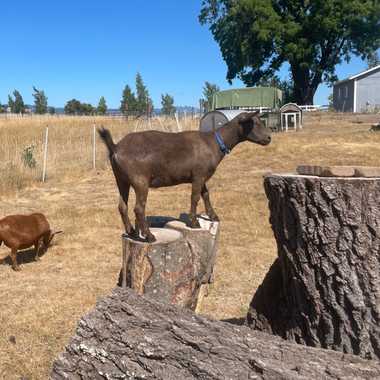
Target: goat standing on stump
{"x":23,"y":231}
{"x":158,"y":159}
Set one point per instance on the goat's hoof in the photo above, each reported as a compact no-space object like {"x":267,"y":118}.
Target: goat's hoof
{"x":17,"y":269}
{"x":131,"y":232}
{"x":150,"y":238}
{"x":37,"y":259}
{"x":195,"y":224}
{"x":214,"y":218}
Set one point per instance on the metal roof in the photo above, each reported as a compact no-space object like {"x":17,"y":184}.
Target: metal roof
{"x":268,"y":97}
{"x":229,"y":114}
{"x":290,"y":107}
{"x":359,"y":75}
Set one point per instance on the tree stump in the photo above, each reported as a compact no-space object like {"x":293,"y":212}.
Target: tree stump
{"x":203,"y":242}
{"x":324,"y":288}
{"x":131,"y":337}
{"x":173,"y":268}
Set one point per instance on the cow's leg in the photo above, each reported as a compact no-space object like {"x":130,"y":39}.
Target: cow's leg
{"x":196,"y":188}
{"x":141,"y":190}
{"x":206,"y":199}
{"x":15,"y":266}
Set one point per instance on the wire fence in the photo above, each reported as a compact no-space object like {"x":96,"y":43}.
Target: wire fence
{"x":44,"y":148}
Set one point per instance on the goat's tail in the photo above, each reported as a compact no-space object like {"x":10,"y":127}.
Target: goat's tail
{"x":105,"y":135}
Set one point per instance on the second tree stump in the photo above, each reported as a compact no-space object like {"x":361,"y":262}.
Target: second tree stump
{"x":324,"y":288}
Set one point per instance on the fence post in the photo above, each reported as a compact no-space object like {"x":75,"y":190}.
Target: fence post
{"x":179,"y":129}
{"x":94,"y":147}
{"x":45,"y":154}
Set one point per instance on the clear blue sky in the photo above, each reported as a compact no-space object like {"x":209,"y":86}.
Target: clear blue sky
{"x":87,"y":49}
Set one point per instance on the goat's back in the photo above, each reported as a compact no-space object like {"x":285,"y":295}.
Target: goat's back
{"x":165,"y":144}
{"x":23,"y":230}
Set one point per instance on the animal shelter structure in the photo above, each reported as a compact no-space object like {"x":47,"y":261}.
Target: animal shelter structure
{"x":228,"y":104}
{"x":250,"y":98}
{"x":291,"y":117}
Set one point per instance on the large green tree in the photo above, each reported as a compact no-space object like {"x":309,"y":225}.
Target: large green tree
{"x":257,"y":37}
{"x":40,"y":101}
{"x":209,"y":89}
{"x":167,"y":105}
{"x":16,"y":103}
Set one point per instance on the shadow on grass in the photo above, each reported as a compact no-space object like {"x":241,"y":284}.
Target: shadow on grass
{"x":23,"y":257}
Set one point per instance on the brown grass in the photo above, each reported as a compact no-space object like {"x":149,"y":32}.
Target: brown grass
{"x":40,"y":305}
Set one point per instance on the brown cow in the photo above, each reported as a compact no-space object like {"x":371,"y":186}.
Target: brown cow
{"x":23,"y":231}
{"x":158,"y":159}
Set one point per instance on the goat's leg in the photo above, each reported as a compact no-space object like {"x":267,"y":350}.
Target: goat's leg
{"x":123,"y":209}
{"x":124,"y":187}
{"x":39,"y":246}
{"x":195,"y":196}
{"x":206,"y":199}
{"x":141,"y":224}
{"x":15,"y":266}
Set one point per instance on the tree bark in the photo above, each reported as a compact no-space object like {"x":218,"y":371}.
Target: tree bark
{"x":324,"y":288}
{"x":133,"y":337}
{"x":173,"y":268}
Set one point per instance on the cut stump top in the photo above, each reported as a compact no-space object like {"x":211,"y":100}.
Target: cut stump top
{"x":339,"y":171}
{"x":162,"y":235}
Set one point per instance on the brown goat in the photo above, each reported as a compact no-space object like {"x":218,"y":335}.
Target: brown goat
{"x":23,"y":231}
{"x":158,"y":159}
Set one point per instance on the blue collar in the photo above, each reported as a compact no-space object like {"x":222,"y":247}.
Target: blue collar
{"x":221,"y":143}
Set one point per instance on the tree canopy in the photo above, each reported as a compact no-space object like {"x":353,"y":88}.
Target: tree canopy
{"x":102,"y":106}
{"x":139,"y":103}
{"x":128,"y":101}
{"x":209,"y":89}
{"x":257,"y":37}
{"x":373,"y":60}
{"x":40,"y":101}
{"x":75,"y":107}
{"x":143,"y":102}
{"x":167,"y":105}
{"x":16,"y":104}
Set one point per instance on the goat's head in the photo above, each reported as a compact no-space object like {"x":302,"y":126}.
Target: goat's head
{"x":252,"y":128}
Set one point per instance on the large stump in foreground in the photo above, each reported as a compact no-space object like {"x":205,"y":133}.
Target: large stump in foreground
{"x":174,"y":267}
{"x":324,"y":288}
{"x":133,"y":337}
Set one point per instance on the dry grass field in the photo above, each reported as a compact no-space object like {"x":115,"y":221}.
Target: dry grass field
{"x":40,"y":306}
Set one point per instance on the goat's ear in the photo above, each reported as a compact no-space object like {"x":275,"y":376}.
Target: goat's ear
{"x":246,"y":116}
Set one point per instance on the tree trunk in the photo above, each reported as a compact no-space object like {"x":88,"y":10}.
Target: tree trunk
{"x":324,"y":288}
{"x":304,"y":89}
{"x":133,"y":337}
{"x":173,"y":268}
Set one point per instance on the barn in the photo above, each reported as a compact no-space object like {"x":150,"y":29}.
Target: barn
{"x":358,"y":93}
